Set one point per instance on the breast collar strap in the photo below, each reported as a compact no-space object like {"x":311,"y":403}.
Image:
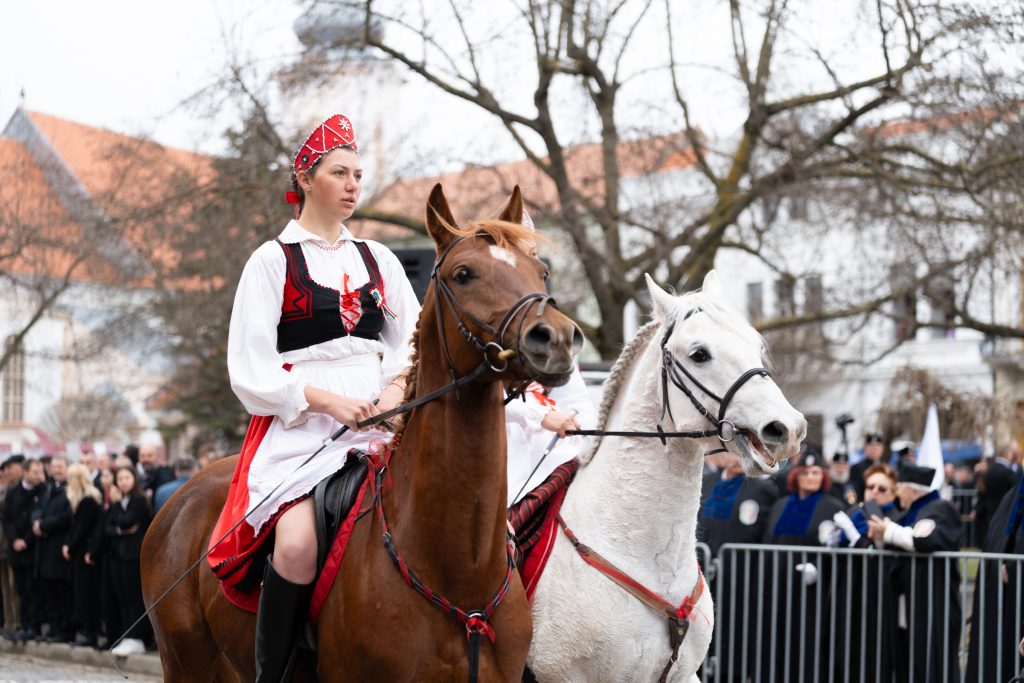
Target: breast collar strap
{"x":673,"y":370}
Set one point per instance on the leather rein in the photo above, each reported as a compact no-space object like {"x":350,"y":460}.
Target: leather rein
{"x":672,"y":370}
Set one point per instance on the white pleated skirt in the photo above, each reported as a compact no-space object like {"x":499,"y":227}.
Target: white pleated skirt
{"x":276,"y":475}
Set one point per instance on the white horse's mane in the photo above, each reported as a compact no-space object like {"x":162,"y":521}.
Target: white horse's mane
{"x":690,"y":302}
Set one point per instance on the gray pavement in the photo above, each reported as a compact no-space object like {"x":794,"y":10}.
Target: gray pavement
{"x":63,"y":663}
{"x":16,"y":668}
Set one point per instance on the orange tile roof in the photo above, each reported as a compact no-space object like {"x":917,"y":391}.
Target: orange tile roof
{"x":131,"y":179}
{"x":480,"y":191}
{"x":118,"y":170}
{"x":39,"y":236}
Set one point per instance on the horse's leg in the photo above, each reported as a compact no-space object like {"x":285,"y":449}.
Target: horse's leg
{"x":189,"y":649}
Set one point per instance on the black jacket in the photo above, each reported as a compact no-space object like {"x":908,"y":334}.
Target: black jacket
{"x":54,"y":514}
{"x":156,"y":478}
{"x":998,"y":480}
{"x":125,"y":544}
{"x":85,"y":525}
{"x":18,"y":506}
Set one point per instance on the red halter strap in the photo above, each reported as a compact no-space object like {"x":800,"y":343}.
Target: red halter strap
{"x":678,"y":617}
{"x":477,"y":622}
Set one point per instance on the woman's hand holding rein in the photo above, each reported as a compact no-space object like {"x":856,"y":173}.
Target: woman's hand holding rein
{"x":347,"y":411}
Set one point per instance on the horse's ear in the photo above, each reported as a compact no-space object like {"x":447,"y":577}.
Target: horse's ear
{"x":712,"y":287}
{"x":513,"y":211}
{"x":439,"y":217}
{"x":664,"y":304}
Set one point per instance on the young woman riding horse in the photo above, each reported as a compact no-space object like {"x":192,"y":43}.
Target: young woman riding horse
{"x":441,"y":497}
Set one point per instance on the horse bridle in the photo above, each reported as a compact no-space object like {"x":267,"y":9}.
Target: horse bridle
{"x":673,"y":370}
{"x":458,"y":311}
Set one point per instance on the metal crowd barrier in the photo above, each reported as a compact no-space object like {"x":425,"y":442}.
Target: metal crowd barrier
{"x":791,"y":613}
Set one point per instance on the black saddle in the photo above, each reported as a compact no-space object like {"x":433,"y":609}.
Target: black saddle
{"x":333,"y":499}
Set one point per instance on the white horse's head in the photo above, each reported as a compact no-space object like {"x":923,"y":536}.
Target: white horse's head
{"x":713,"y":348}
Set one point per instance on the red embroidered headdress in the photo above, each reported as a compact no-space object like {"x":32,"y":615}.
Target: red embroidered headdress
{"x":335,"y":132}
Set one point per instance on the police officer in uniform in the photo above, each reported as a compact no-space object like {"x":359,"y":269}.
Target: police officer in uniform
{"x":799,"y":582}
{"x":842,"y":488}
{"x":735,"y":510}
{"x":927,"y":641}
{"x":874,"y":448}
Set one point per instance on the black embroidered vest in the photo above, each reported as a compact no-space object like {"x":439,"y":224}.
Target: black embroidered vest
{"x":312,"y":314}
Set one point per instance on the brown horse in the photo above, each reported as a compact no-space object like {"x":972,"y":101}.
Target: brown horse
{"x":445,"y":502}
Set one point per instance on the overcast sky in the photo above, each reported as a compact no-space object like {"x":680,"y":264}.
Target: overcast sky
{"x":127,"y":64}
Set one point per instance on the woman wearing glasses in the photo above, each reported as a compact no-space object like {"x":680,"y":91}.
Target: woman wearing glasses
{"x":870,"y":638}
{"x":879,"y":489}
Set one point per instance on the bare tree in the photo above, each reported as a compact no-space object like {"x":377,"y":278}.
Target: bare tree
{"x":553,"y":72}
{"x":92,"y":416}
{"x":41,"y":248}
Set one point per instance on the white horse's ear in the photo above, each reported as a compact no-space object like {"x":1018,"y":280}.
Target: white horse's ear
{"x":664,"y":304}
{"x":712,"y":287}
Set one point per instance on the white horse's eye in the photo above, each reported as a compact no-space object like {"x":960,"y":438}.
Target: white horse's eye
{"x":700,"y":355}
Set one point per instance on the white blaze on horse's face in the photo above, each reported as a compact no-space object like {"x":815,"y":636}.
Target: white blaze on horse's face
{"x":503,"y":255}
{"x":716,"y":345}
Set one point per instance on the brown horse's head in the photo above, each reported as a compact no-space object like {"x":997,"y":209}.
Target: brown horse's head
{"x":487,"y":296}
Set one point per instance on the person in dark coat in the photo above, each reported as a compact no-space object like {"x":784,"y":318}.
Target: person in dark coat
{"x":861,"y":599}
{"x":21,"y":499}
{"x":999,"y":478}
{"x":110,"y":610}
{"x":843,"y":488}
{"x":874,"y":448}
{"x":735,"y":510}
{"x":155,"y":472}
{"x":997,"y":596}
{"x":51,"y":521}
{"x":798,"y":583}
{"x":927,"y":648}
{"x":127,"y":520}
{"x":80,"y":550}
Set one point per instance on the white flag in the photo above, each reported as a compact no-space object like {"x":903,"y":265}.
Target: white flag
{"x":929,"y":454}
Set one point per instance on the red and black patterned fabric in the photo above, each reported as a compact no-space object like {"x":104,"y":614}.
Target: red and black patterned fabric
{"x":312,"y":313}
{"x":534,"y":523}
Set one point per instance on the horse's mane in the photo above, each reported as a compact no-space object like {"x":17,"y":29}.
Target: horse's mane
{"x":615,"y":379}
{"x":504,"y":234}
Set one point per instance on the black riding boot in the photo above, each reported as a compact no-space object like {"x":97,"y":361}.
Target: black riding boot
{"x":282,"y":605}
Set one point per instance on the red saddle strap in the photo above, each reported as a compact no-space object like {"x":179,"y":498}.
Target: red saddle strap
{"x":678,"y":617}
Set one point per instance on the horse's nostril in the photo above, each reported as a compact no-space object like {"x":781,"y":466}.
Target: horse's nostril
{"x":577,"y":339}
{"x":774,"y":433}
{"x":540,"y":336}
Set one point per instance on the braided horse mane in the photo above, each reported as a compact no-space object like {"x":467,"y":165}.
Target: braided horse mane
{"x":616,"y":377}
{"x":505,"y":235}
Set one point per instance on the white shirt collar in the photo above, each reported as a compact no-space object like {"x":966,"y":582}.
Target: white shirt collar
{"x":293,"y":233}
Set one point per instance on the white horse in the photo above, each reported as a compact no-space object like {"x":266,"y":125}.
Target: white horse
{"x":634,"y":501}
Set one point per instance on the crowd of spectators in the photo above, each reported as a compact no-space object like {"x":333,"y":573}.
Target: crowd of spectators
{"x":882,"y":502}
{"x":70,"y":540}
